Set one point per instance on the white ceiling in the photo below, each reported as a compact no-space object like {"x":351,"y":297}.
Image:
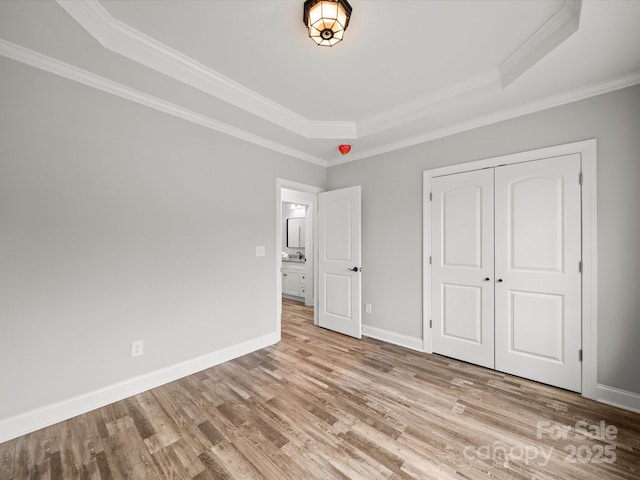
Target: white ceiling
{"x":406,"y":72}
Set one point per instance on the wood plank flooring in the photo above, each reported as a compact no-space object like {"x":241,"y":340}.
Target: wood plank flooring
{"x":324,"y":406}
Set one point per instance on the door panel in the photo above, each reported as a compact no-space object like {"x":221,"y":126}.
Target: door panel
{"x":536,"y":224}
{"x":462,"y":307}
{"x":532,"y":313}
{"x":462,"y":226}
{"x":338,"y":218}
{"x":339,"y":288}
{"x":538,"y":301}
{"x":338,"y":295}
{"x":462,"y":298}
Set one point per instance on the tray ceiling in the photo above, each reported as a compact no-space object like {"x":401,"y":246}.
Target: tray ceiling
{"x":406,"y":72}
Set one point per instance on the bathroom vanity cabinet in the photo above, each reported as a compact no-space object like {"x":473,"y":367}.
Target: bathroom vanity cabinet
{"x":294,"y":279}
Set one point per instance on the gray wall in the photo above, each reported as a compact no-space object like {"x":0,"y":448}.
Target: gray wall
{"x":120,"y":223}
{"x":392,"y":215}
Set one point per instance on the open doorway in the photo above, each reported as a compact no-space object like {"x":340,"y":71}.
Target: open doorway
{"x":296,"y":271}
{"x":333,"y":225}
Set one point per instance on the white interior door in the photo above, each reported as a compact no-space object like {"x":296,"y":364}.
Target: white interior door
{"x":339,"y":288}
{"x":538,"y":281}
{"x":462,"y":267}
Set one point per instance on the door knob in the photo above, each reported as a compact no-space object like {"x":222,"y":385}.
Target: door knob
{"x":499,"y":280}
{"x":354,"y":269}
{"x":487,"y":279}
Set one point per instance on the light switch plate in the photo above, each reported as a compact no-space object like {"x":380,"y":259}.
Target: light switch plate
{"x":260,"y":251}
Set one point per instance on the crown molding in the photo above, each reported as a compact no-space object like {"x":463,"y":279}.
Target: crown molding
{"x":329,"y":129}
{"x":57,"y":67}
{"x":426,"y":105}
{"x":564,"y":98}
{"x":120,"y":38}
{"x":553,"y":32}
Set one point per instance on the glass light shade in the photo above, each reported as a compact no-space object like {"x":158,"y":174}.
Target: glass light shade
{"x":326,"y":20}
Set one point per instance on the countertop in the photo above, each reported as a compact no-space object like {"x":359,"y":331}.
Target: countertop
{"x":294,"y":260}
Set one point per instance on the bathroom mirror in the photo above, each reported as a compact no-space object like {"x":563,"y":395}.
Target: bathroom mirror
{"x":295,"y":232}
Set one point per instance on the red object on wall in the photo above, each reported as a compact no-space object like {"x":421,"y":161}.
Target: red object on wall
{"x":344,"y":148}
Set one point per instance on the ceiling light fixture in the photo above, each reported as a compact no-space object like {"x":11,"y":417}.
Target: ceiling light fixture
{"x":326,"y":20}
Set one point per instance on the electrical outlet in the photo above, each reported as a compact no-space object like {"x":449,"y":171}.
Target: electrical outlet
{"x":367,"y":308}
{"x":260,"y":251}
{"x":137,"y":348}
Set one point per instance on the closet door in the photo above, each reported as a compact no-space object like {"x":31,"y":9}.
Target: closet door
{"x":538,"y":282}
{"x":462,"y":267}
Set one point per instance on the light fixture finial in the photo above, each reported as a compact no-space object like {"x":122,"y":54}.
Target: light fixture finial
{"x":326,"y":20}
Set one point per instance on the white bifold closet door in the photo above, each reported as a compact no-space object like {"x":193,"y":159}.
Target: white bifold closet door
{"x":462,"y":267}
{"x":538,"y":288}
{"x":506,"y":269}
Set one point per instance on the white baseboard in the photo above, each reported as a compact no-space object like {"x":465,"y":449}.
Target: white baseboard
{"x":27,"y":422}
{"x":391,"y":337}
{"x":618,"y":398}
{"x":293,"y":297}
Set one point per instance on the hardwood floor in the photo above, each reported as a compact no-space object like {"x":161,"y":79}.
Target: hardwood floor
{"x":322,"y":405}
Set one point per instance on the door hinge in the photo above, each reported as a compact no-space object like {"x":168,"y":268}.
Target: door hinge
{"x":580,"y":355}
{"x":430,"y":323}
{"x":430,"y":196}
{"x":580,"y":266}
{"x":429,"y":260}
{"x":580,"y":178}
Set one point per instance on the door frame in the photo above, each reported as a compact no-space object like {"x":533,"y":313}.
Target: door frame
{"x":588,"y":155}
{"x":312,"y":193}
